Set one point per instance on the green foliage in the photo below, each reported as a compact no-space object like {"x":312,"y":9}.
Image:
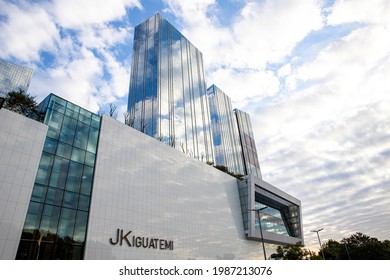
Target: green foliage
{"x":21,"y":103}
{"x":357,"y":247}
{"x":294,"y":252}
{"x":226,"y":170}
{"x":333,"y":250}
{"x":222,"y":168}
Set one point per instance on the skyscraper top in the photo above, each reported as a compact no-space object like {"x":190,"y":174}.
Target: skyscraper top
{"x":167,"y":95}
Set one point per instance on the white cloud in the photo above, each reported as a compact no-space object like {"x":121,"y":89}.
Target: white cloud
{"x":351,"y":57}
{"x":285,"y":70}
{"x":102,"y":36}
{"x":268,"y":31}
{"x":27,"y":30}
{"x":236,"y":56}
{"x":77,"y":14}
{"x":76,"y":80}
{"x":372,"y":12}
{"x":244,"y":86}
{"x":117,"y":86}
{"x":327,"y":142}
{"x":261,"y":33}
{"x":84,"y":69}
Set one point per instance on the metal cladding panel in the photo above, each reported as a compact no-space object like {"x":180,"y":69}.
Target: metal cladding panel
{"x":21,"y":144}
{"x":145,"y":192}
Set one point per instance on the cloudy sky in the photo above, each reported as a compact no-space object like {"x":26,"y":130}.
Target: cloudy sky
{"x":313,"y":74}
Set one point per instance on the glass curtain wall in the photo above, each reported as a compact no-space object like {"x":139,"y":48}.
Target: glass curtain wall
{"x":227,"y":148}
{"x":249,"y":151}
{"x":167,"y":94}
{"x":56,"y":222}
{"x":14,"y":78}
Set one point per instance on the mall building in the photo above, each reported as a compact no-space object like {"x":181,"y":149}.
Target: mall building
{"x":80,"y":186}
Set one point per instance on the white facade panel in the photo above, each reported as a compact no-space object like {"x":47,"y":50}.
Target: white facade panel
{"x":21,"y":144}
{"x":157,"y":192}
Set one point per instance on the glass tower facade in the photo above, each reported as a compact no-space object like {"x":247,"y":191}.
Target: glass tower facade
{"x":227,"y":147}
{"x":14,"y":77}
{"x":248,"y":145}
{"x":167,"y":94}
{"x":56,"y":222}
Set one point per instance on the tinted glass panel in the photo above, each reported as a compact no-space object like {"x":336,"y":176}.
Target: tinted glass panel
{"x":39,"y":193}
{"x":66,"y":168}
{"x":71,"y":200}
{"x":80,"y":228}
{"x":59,"y":173}
{"x":54,"y":196}
{"x":50,"y":146}
{"x":74,"y":177}
{"x":49,"y":221}
{"x":66,"y":225}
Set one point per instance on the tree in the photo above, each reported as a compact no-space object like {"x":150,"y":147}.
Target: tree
{"x":358,"y":246}
{"x":129,"y":120}
{"x":333,"y":250}
{"x":293,"y":252}
{"x":112,"y":111}
{"x":21,"y":103}
{"x":223,"y":168}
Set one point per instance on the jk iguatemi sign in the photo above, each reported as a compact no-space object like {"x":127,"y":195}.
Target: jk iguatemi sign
{"x":140,"y":241}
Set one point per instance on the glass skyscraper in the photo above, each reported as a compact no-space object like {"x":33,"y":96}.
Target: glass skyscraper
{"x":14,"y":77}
{"x":251,"y":161}
{"x":167,"y":94}
{"x":227,"y":147}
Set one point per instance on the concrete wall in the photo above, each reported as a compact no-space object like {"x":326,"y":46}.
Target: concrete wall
{"x":21,"y":144}
{"x":155,"y":191}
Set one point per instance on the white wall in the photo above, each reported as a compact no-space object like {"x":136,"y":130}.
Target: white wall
{"x":21,"y":144}
{"x":156,"y":191}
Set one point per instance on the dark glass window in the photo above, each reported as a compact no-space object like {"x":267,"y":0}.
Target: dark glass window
{"x":86,"y":184}
{"x":39,"y":193}
{"x":49,"y":222}
{"x":73,"y":181}
{"x":44,"y":169}
{"x":59,"y":172}
{"x":68,"y":130}
{"x":78,"y":155}
{"x":85,"y":116}
{"x":64,"y":150}
{"x":59,"y":205}
{"x":55,"y":120}
{"x":50,"y":146}
{"x":93,"y":139}
{"x":71,"y":200}
{"x":66,"y":225}
{"x":84,"y":202}
{"x":54,"y":196}
{"x":53,"y":133}
{"x":81,"y":138}
{"x":80,"y":227}
{"x":72,"y":111}
{"x":33,"y":218}
{"x":90,"y":159}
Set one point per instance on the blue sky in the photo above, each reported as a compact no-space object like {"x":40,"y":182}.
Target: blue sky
{"x":314,"y":76}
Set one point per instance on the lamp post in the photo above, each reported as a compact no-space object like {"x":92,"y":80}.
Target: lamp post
{"x":346,"y":248}
{"x":319,"y":241}
{"x":261,"y":230}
